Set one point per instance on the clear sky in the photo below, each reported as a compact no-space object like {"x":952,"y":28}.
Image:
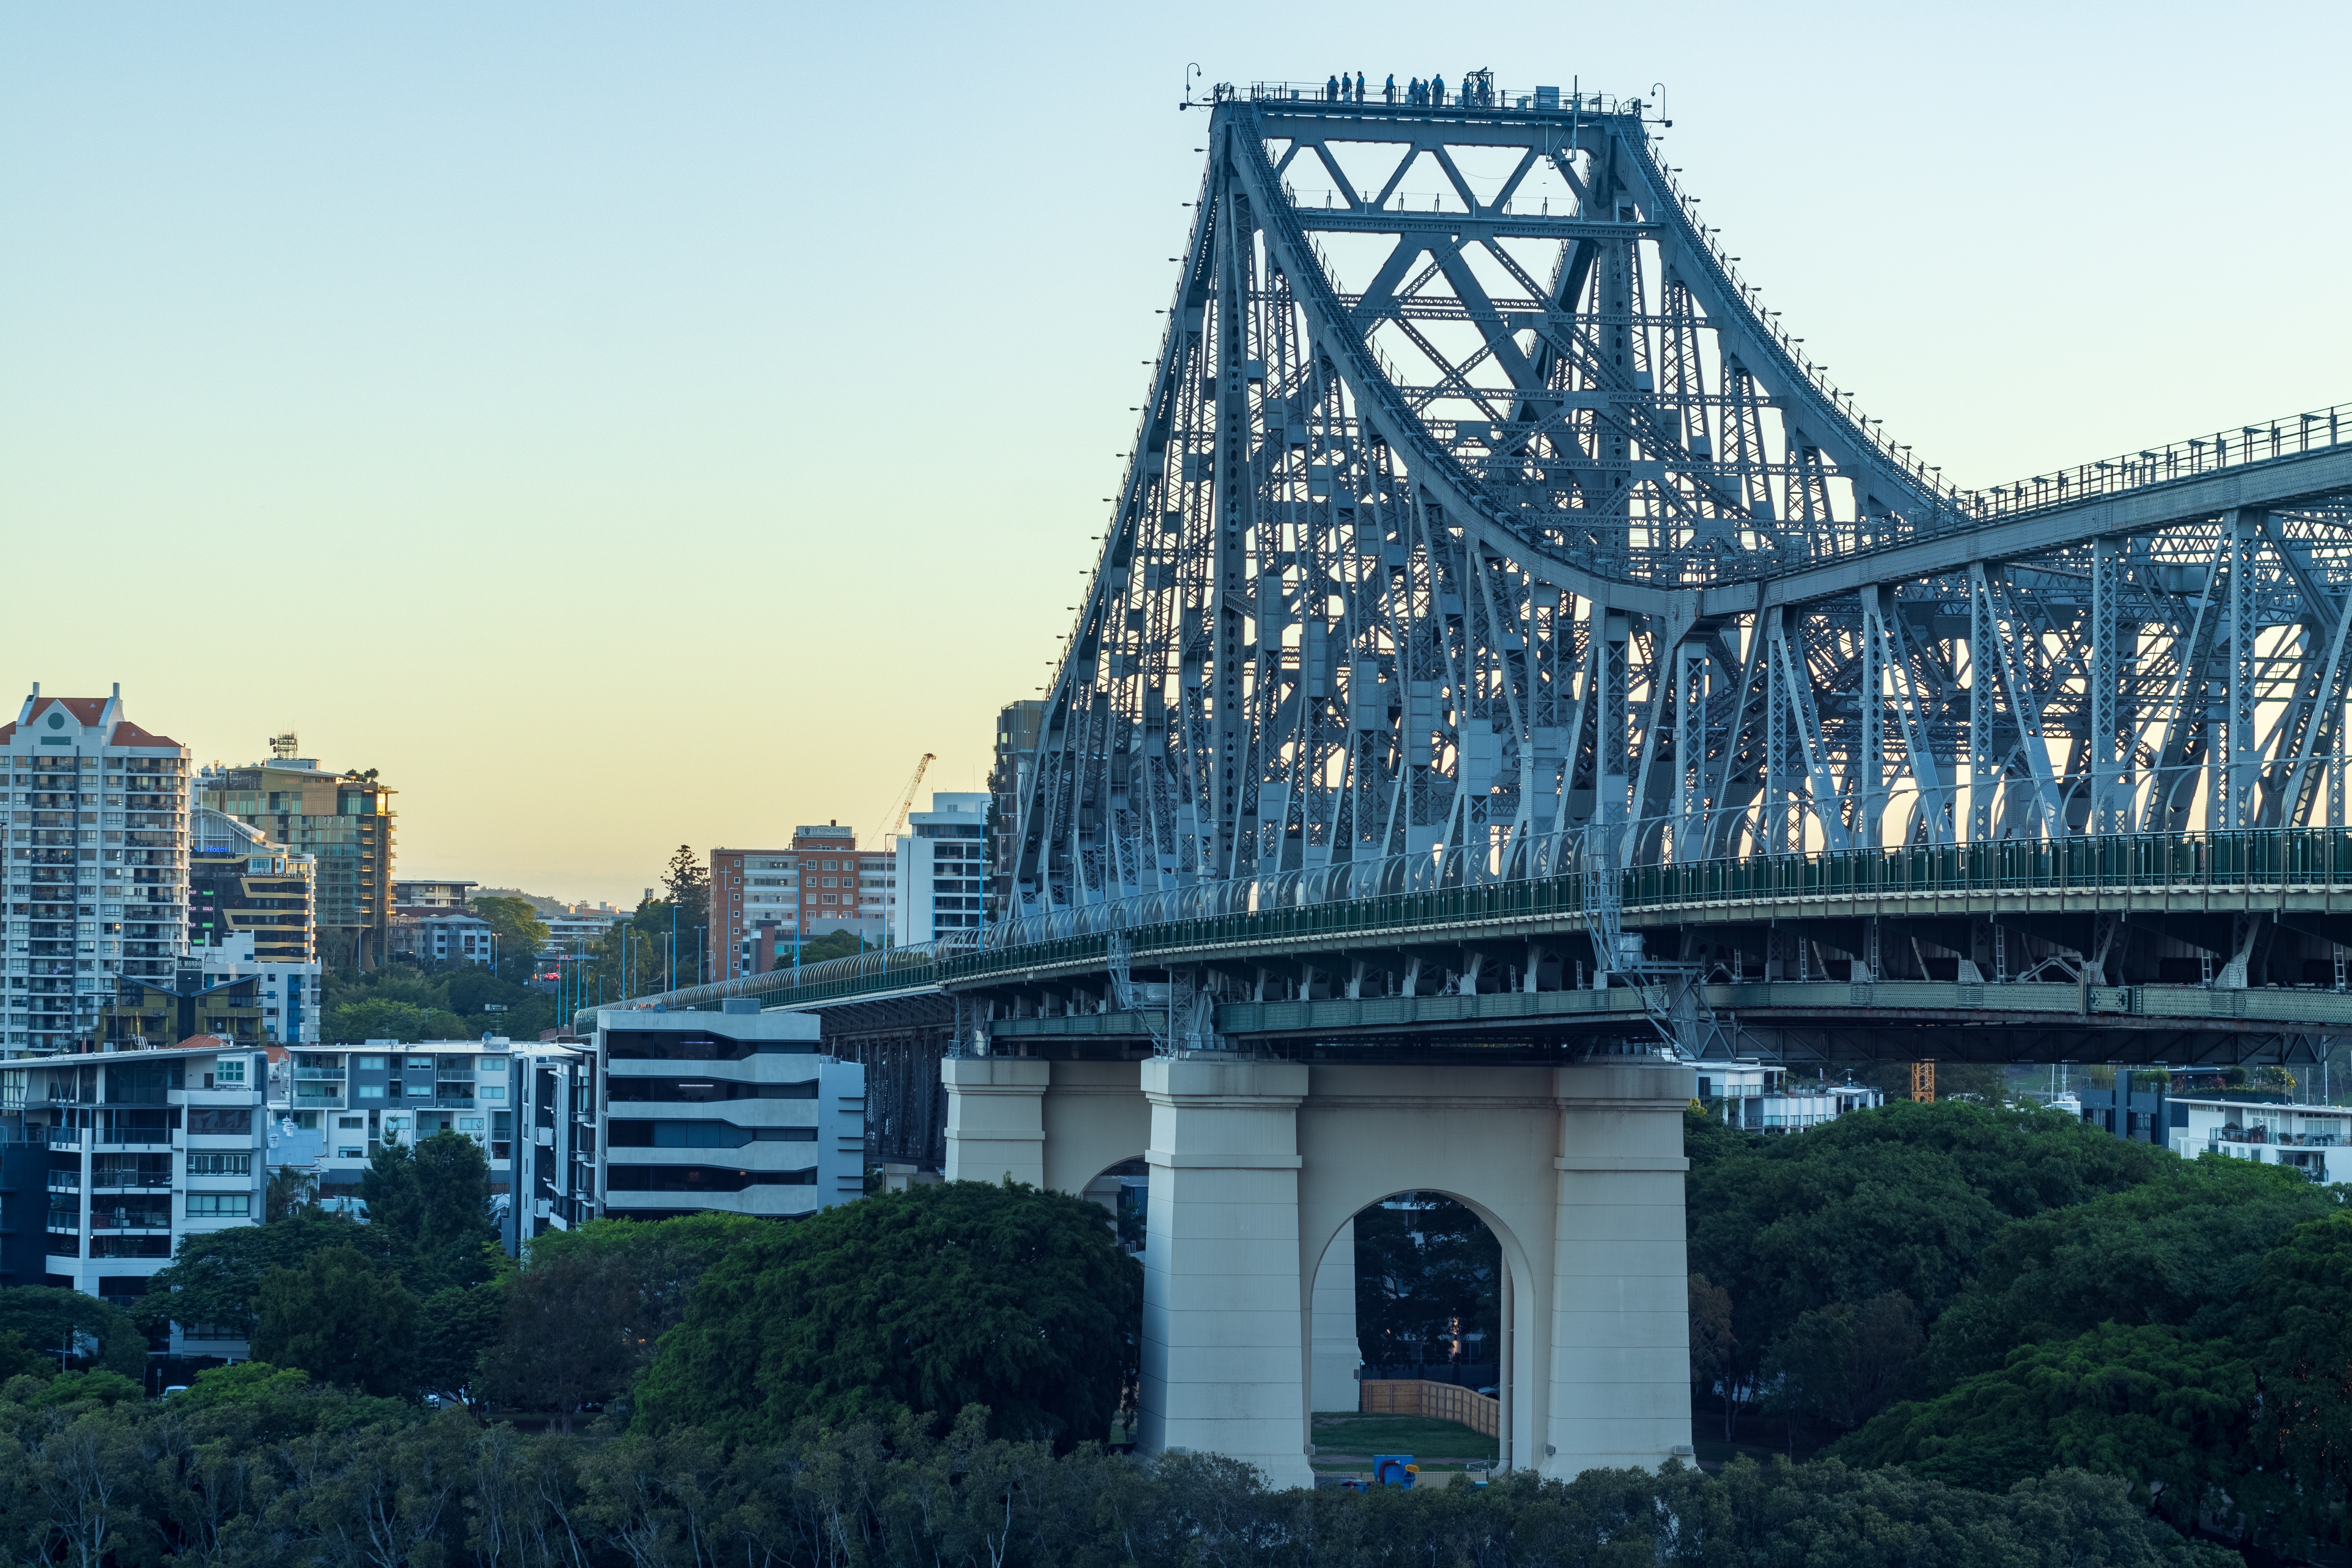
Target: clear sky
{"x":633,"y":423}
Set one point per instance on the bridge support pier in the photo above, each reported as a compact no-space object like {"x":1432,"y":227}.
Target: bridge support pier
{"x":1257,"y":1169}
{"x":1223,"y":1312}
{"x":996,"y":1125}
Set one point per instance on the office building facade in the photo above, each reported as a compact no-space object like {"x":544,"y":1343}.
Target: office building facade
{"x":734,"y":1111}
{"x":942,"y":870}
{"x":344,"y":821}
{"x":96,"y":812}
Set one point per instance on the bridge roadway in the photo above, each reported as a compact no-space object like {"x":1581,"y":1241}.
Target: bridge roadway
{"x":2187,"y":949}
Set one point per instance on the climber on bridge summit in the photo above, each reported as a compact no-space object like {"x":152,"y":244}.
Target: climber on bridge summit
{"x":1331,"y":89}
{"x":1390,"y":91}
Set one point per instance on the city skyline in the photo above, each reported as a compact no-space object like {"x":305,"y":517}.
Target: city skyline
{"x":550,"y":362}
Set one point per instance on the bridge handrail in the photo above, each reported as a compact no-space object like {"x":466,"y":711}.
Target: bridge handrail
{"x":1287,"y":904}
{"x":2311,"y":431}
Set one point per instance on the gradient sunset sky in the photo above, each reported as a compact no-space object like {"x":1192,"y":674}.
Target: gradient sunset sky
{"x":629,"y":424}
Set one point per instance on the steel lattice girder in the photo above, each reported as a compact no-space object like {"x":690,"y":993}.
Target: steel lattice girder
{"x":1466,"y":523}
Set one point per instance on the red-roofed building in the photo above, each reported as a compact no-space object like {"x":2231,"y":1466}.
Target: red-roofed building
{"x":95,"y":809}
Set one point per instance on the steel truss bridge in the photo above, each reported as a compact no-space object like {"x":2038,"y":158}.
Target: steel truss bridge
{"x":1506,"y":633}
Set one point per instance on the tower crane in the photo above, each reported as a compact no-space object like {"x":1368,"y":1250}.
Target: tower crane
{"x":896,"y":821}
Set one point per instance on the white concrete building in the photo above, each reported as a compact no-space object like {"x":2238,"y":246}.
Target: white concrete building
{"x":143,"y":1148}
{"x":733,"y":1110}
{"x":1757,"y":1096}
{"x":358,"y":1098}
{"x":290,"y":993}
{"x":96,"y":815}
{"x":2314,"y":1139}
{"x":942,"y":868}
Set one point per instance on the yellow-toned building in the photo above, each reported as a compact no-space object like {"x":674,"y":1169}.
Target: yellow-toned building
{"x":343,"y":821}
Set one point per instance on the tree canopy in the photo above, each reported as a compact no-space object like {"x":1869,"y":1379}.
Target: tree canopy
{"x":341,"y":1318}
{"x":926,"y":1301}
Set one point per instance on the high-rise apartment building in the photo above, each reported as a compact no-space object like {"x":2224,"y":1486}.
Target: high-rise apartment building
{"x":96,"y":811}
{"x":343,"y":820}
{"x":239,"y":881}
{"x":822,"y":883}
{"x":1017,"y":729}
{"x":942,"y":868}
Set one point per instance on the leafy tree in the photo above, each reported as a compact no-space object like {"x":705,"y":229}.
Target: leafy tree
{"x":1904,"y":1198}
{"x":289,"y":1189}
{"x":2298,"y":1331}
{"x":2181,"y":1249}
{"x":217,"y":1276}
{"x":568,"y":1337}
{"x":2166,"y":1413}
{"x":819,"y":949}
{"x":459,"y":1324}
{"x":926,"y":1301}
{"x":430,"y":1207}
{"x":1714,"y":1357}
{"x":341,"y":1319}
{"x":686,"y":881}
{"x":520,"y":934}
{"x":1427,"y":1269}
{"x":49,"y":1319}
{"x":382,"y":1018}
{"x":1842,"y":1363}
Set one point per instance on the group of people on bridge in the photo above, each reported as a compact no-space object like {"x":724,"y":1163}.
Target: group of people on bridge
{"x":1477,"y":90}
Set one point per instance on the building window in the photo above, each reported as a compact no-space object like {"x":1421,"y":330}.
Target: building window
{"x":219,"y":1205}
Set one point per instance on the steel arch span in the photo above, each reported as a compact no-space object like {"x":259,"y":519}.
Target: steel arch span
{"x":1478,"y":518}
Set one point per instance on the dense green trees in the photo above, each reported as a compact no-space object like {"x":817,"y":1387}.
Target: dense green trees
{"x":47,"y":1320}
{"x":925,"y":1300}
{"x":254,"y":1467}
{"x":1426,"y":1270}
{"x":341,"y":1318}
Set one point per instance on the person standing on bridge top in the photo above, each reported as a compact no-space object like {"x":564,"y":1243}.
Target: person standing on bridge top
{"x":1360,"y":87}
{"x":1331,"y":89}
{"x":1437,"y":90}
{"x":1390,"y":91}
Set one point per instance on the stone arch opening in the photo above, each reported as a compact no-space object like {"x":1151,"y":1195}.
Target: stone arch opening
{"x":1124,"y":1191}
{"x":1412,"y":1292}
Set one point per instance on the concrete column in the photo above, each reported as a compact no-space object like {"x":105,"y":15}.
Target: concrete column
{"x":996,"y":1125}
{"x":1223,"y":1361}
{"x":1334,"y":1356}
{"x":1507,"y":1330}
{"x":1620,"y":1307}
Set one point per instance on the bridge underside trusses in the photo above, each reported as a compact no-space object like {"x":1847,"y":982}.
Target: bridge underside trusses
{"x":1478,"y":517}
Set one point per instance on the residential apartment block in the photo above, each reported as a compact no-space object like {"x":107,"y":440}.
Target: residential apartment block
{"x":343,"y":820}
{"x":239,"y":881}
{"x":96,"y":815}
{"x":763,"y":901}
{"x":1757,"y":1096}
{"x":136,"y":1151}
{"x":1018,"y":727}
{"x":289,"y":995}
{"x":557,"y":1109}
{"x":733,"y":1110}
{"x":441,"y":938}
{"x":358,"y":1099}
{"x":942,"y":870}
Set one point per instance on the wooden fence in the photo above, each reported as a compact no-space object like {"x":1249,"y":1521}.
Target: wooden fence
{"x":1438,"y":1401}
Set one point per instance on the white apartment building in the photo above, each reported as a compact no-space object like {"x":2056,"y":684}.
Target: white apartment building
{"x":439,"y":938}
{"x":942,"y":868}
{"x":557,"y":1108}
{"x":765,"y":902}
{"x":96,"y":814}
{"x":359,"y":1098}
{"x":579,"y":930}
{"x":142,"y":1149}
{"x":1762,"y":1096}
{"x":290,"y":993}
{"x":2314,"y":1139}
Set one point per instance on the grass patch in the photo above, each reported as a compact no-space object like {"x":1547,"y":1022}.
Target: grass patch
{"x":1340,"y":1432}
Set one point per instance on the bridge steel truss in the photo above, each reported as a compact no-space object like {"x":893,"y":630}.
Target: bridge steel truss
{"x":1479,"y":519}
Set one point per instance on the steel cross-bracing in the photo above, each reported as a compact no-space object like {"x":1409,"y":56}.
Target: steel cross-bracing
{"x":1478,"y":521}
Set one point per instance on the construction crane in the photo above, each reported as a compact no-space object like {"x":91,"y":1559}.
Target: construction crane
{"x":896,"y":821}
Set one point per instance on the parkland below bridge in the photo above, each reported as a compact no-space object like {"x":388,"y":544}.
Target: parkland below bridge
{"x":1514,"y":669}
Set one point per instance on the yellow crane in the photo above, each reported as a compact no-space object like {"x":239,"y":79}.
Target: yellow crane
{"x":896,"y":822}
